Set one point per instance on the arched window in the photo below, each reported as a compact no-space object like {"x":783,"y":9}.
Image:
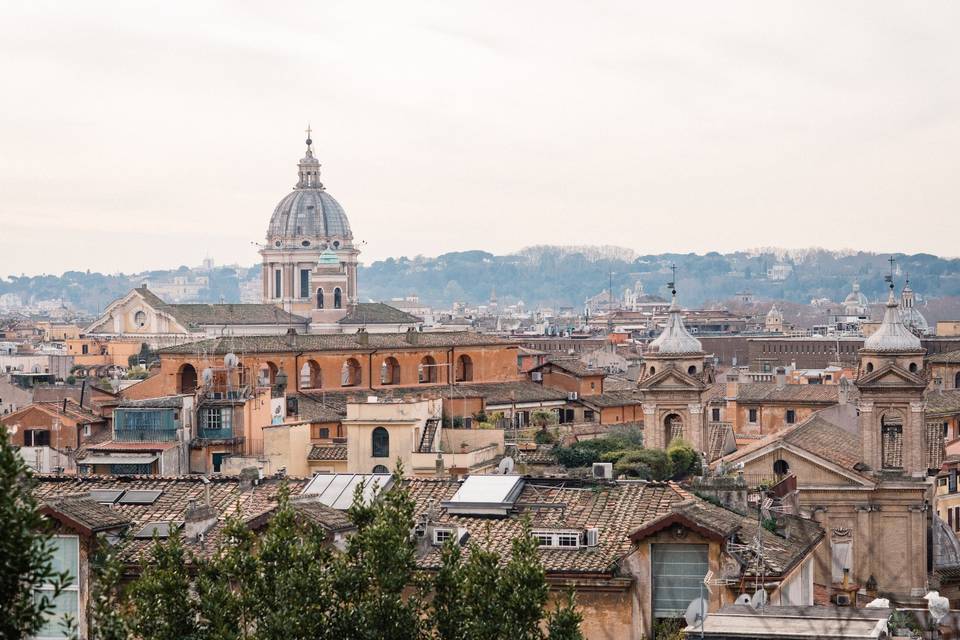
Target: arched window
{"x":464,"y":368}
{"x":381,"y":469}
{"x":380,"y":443}
{"x":653,"y":370}
{"x":781,"y":467}
{"x":267,"y":374}
{"x":673,"y":428}
{"x":337,"y":299}
{"x":311,"y":377}
{"x":956,"y":381}
{"x":320,"y":298}
{"x":140,"y":319}
{"x":350,"y":373}
{"x":913,"y":367}
{"x":869,"y":367}
{"x":186,"y":379}
{"x":692,"y":369}
{"x":390,"y":371}
{"x":891,"y":432}
{"x":427,"y":371}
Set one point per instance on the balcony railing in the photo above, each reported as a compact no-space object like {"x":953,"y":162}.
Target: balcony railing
{"x":145,"y":435}
{"x":215,"y":434}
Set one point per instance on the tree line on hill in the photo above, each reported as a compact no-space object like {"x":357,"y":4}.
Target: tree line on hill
{"x":560,"y":276}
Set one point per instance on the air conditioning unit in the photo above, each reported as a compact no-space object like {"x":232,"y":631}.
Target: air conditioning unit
{"x":592,"y":536}
{"x":603,"y":470}
{"x":842,"y":599}
{"x":572,"y":395}
{"x":537,"y":376}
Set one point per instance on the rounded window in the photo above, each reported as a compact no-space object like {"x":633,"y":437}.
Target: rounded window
{"x":140,"y":318}
{"x":305,"y":243}
{"x":869,"y":367}
{"x":781,"y":467}
{"x":336,"y":244}
{"x":913,"y":367}
{"x":381,"y":469}
{"x":277,"y":243}
{"x":691,"y":369}
{"x":653,"y":370}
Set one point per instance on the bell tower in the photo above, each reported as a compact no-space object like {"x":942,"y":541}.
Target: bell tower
{"x":891,"y":378}
{"x":672,"y":380}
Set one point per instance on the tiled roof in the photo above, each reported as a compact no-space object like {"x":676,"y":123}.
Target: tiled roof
{"x":321,"y":452}
{"x":936,"y":449}
{"x":942,"y":403}
{"x":160,"y":402}
{"x":617,"y":509}
{"x":809,"y":393}
{"x":84,"y":512}
{"x":173,"y":502}
{"x":336,"y":342}
{"x":572,"y":365}
{"x":378,"y":313}
{"x":307,"y":506}
{"x":113,"y":445}
{"x":721,"y":435}
{"x":616,"y":383}
{"x":495,"y":393}
{"x":195,"y":315}
{"x":947,"y":357}
{"x":614,"y":399}
{"x":315,"y":407}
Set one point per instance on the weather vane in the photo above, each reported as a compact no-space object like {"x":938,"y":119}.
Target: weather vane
{"x":889,"y":277}
{"x":672,"y":285}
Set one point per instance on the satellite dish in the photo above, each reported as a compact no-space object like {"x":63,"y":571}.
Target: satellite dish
{"x":759,"y":599}
{"x":696,"y":612}
{"x":505,"y":466}
{"x":207,"y":376}
{"x":743,"y":598}
{"x":230,"y":360}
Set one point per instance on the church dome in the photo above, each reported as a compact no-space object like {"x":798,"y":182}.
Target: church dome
{"x":892,"y":335}
{"x":856,"y":299}
{"x":675,"y":339}
{"x":309,"y":215}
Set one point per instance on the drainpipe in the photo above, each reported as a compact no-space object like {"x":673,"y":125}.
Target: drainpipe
{"x":296,"y":372}
{"x":370,"y":369}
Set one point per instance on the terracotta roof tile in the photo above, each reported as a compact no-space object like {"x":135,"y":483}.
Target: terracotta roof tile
{"x":321,"y":452}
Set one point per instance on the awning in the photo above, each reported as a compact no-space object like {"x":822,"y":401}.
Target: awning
{"x":118,"y":459}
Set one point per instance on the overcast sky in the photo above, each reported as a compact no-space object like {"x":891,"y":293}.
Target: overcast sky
{"x":149,"y":135}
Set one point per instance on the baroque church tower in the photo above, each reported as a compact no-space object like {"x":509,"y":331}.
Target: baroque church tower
{"x":891,"y":378}
{"x":672,"y":381}
{"x":309,"y":259}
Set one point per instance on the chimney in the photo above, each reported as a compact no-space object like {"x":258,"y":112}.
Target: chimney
{"x":249,"y":477}
{"x":781,"y":378}
{"x":197,"y":520}
{"x":438,"y":465}
{"x":733,"y":384}
{"x":412,"y":336}
{"x":363,"y":338}
{"x":291,"y":331}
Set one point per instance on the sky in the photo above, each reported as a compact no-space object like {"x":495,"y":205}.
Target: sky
{"x":138,"y":135}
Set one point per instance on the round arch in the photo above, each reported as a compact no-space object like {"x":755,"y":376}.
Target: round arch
{"x":350,"y":373}
{"x":672,"y":428}
{"x":186,"y":379}
{"x":390,"y":371}
{"x":464,"y":368}
{"x":311,"y":376}
{"x":427,"y":371}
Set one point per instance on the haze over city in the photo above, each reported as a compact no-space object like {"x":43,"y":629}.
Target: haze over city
{"x":154,"y":135}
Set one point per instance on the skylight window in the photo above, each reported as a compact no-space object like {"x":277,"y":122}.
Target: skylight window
{"x":158,"y":529}
{"x":105,"y":496}
{"x":140,"y":496}
{"x":336,"y":489}
{"x":485,"y":495}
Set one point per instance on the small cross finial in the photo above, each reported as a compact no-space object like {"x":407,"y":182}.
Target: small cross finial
{"x":672,"y":285}
{"x":889,"y":278}
{"x":309,"y":131}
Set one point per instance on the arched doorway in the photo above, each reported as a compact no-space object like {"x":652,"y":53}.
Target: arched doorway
{"x":390,"y":371}
{"x":311,"y":377}
{"x":672,"y":428}
{"x":464,"y":368}
{"x":186,"y":379}
{"x":350,"y":373}
{"x":427,"y":371}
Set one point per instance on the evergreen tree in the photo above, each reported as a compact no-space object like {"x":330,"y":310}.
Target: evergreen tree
{"x":523,"y":588}
{"x":564,"y":621}
{"x":26,"y":551}
{"x":108,"y":614}
{"x":164,"y":604}
{"x":449,"y":606}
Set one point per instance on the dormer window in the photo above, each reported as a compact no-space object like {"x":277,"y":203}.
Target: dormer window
{"x":557,"y":539}
{"x":442,"y":535}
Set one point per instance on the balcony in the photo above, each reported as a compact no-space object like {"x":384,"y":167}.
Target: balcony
{"x":145,"y":435}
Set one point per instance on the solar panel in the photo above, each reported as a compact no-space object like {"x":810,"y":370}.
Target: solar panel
{"x":105,"y":496}
{"x":158,"y":529}
{"x":336,"y":490}
{"x":140,"y":496}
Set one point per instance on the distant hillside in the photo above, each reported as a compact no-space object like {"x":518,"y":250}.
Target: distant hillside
{"x":568,"y":275}
{"x":553,"y":276}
